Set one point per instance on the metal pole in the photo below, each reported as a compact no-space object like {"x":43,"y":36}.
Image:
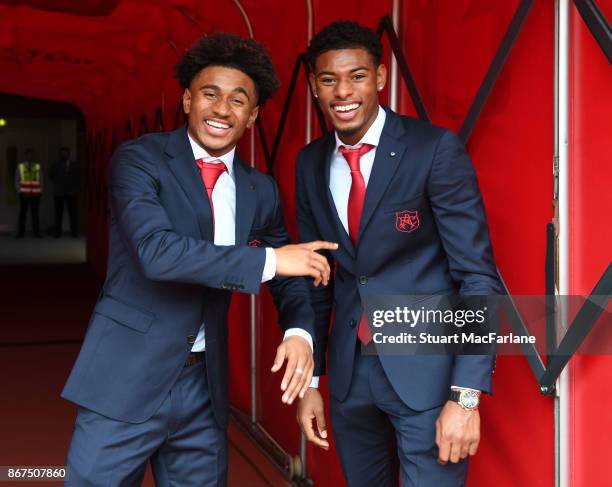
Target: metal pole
{"x":307,"y":139}
{"x":393,"y":98}
{"x":253,"y":318}
{"x":310,"y":27}
{"x":561,"y":169}
{"x":252,"y":297}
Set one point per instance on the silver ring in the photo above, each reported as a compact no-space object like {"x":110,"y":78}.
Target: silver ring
{"x":298,"y":370}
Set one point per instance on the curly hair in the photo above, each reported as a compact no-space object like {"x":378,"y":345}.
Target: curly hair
{"x":343,"y":34}
{"x":232,"y":51}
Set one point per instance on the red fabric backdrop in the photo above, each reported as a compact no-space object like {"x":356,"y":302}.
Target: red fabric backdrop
{"x":116,"y":68}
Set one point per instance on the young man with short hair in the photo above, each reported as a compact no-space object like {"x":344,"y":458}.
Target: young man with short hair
{"x":151,"y":377}
{"x":352,"y":185}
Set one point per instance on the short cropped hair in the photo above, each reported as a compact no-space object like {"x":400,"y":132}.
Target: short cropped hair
{"x":232,"y":51}
{"x":344,"y":34}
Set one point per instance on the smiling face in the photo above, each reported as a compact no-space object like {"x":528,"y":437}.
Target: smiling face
{"x":346,"y":83}
{"x":221,"y":103}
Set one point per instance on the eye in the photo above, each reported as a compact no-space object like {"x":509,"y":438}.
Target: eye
{"x":238,"y":102}
{"x":210,"y":95}
{"x":358,"y":76}
{"x":327,"y":81}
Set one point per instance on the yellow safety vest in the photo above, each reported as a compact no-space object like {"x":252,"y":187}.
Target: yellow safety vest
{"x":29,"y":179}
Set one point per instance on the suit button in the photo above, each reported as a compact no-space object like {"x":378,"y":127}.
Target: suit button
{"x":353,"y":323}
{"x":191,"y":339}
{"x":363,"y":280}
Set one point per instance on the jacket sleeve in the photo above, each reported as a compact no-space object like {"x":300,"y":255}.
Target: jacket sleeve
{"x":160,"y":252}
{"x":322,"y":296}
{"x":460,"y":218}
{"x":290,"y":294}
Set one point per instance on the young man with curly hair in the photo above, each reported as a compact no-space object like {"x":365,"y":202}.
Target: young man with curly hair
{"x":190,"y":222}
{"x":401,"y":198}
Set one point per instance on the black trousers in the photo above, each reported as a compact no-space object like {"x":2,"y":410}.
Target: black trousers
{"x":26,"y":202}
{"x":71,"y":202}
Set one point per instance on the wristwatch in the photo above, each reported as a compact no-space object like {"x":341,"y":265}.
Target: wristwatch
{"x":468,"y":399}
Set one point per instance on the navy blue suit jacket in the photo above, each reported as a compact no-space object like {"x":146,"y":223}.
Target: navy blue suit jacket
{"x":165,"y":277}
{"x":418,"y":168}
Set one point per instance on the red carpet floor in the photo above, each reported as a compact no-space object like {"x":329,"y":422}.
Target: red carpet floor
{"x":44,"y":314}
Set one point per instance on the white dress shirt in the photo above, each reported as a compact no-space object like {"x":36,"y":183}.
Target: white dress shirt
{"x":340,"y":173}
{"x":224,"y":201}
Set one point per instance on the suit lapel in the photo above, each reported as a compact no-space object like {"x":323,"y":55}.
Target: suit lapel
{"x":183,"y":166}
{"x":246,"y":201}
{"x":388,"y":156}
{"x":328,"y":200}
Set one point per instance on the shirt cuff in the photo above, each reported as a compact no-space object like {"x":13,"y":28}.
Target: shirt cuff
{"x":269,"y":269}
{"x":458,"y":388}
{"x":314,"y":383}
{"x":300,"y":332}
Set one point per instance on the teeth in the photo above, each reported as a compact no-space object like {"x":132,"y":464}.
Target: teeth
{"x":346,"y":108}
{"x":217,"y":125}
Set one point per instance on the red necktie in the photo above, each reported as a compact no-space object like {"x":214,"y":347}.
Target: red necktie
{"x":210,"y":172}
{"x":355,"y":209}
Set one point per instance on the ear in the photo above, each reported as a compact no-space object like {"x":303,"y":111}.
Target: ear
{"x":381,"y":77}
{"x":313,"y":85}
{"x":252,"y":116}
{"x":186,"y":100}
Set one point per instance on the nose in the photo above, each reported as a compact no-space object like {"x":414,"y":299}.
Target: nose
{"x":343,"y":88}
{"x":221,"y":107}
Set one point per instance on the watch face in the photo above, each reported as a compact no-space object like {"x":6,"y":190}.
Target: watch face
{"x":469,"y":399}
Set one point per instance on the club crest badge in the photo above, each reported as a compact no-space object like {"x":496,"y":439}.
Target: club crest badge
{"x":407,"y":221}
{"x":254,"y":243}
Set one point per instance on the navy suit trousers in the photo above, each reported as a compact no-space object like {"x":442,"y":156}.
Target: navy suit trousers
{"x":375,"y":431}
{"x":182,"y":440}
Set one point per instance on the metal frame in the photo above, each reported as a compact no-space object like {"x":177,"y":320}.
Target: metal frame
{"x":385,"y":26}
{"x":253,"y":299}
{"x":499,"y":60}
{"x":598,"y":25}
{"x":561,"y":221}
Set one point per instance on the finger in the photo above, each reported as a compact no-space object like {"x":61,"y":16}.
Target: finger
{"x":438,"y":436}
{"x":319,"y":264}
{"x":280,"y":358}
{"x":322,"y":261}
{"x":473,"y":447}
{"x":312,"y":436}
{"x":321,"y":267}
{"x":320,"y":419}
{"x":321,"y":245}
{"x":455,"y":452}
{"x":465,"y":450}
{"x":289,"y":372}
{"x":307,"y":380}
{"x":305,"y":421}
{"x":444,"y":452}
{"x":297,"y":382}
{"x":316,"y":274}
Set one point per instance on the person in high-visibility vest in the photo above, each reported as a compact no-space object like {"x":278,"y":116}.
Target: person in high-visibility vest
{"x":28,"y":183}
